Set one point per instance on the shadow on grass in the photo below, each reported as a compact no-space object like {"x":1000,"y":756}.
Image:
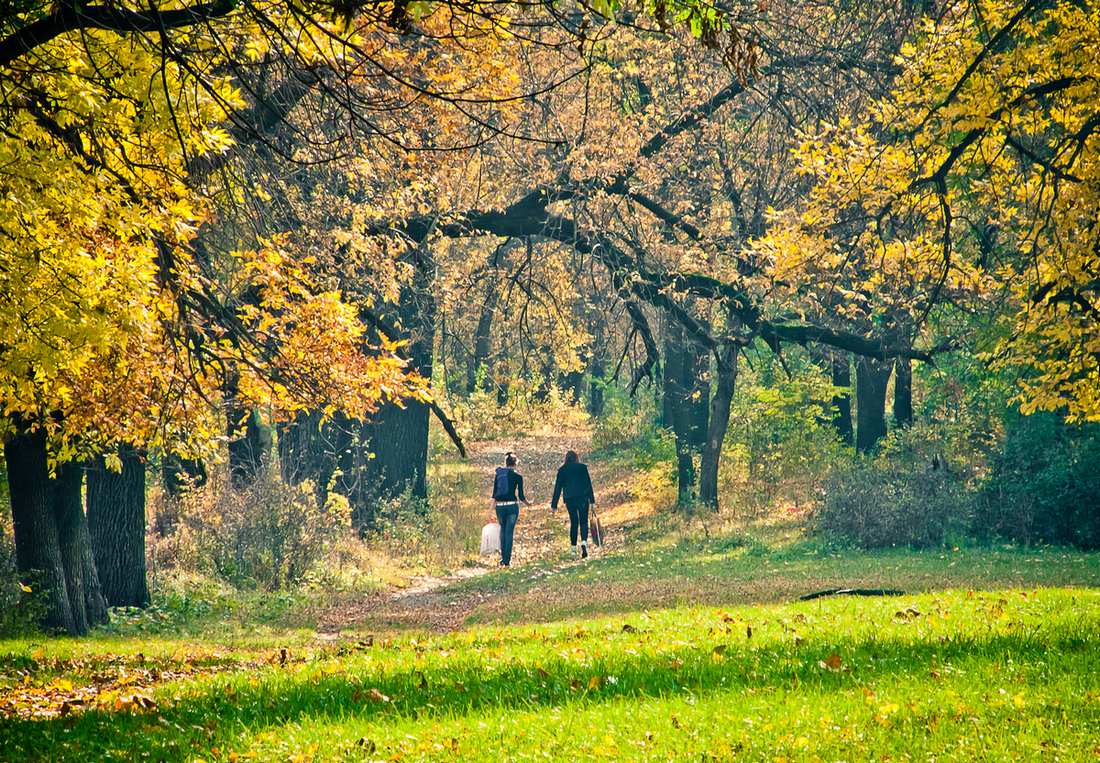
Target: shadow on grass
{"x":227,"y":712}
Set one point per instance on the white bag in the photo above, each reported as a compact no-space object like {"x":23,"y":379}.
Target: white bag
{"x":490,"y":539}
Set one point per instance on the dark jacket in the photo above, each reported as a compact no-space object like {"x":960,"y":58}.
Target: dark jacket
{"x":515,"y":485}
{"x":573,"y":483}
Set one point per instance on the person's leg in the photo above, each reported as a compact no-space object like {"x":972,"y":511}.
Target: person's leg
{"x":582,"y":517}
{"x":508,"y":517}
{"x":573,"y":519}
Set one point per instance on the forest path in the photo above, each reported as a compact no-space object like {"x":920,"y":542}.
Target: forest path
{"x":440,"y":603}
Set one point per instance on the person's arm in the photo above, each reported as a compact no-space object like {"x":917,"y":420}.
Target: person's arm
{"x":588,"y":481}
{"x":519,"y":487}
{"x":557,"y":492}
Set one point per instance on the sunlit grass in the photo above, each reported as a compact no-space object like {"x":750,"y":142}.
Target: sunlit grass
{"x":958,"y":674}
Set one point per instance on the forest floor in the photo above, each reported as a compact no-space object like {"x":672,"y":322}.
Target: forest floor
{"x":669,"y":643}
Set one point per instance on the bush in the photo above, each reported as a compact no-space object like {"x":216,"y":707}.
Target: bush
{"x":906,"y":496}
{"x":269,"y":535}
{"x":481,"y":416}
{"x":1043,"y":485}
{"x":780,"y":444}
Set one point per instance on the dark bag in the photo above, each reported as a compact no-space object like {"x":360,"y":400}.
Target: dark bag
{"x":502,"y":485}
{"x":595,"y":529}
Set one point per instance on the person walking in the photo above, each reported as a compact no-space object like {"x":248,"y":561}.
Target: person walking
{"x":575,"y":485}
{"x":507,"y":493}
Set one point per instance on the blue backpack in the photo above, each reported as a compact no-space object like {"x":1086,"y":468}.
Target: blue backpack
{"x":502,"y":485}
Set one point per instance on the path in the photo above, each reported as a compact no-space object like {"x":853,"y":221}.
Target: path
{"x":541,"y":535}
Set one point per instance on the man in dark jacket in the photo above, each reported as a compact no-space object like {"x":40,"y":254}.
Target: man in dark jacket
{"x":575,"y":485}
{"x":507,"y":493}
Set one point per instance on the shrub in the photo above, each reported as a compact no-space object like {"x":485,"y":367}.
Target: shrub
{"x":482,"y":416}
{"x":269,"y":535}
{"x":623,"y":420}
{"x":1043,"y":485}
{"x":909,"y":495}
{"x":780,"y":444}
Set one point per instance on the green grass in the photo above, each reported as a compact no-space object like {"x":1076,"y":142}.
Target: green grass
{"x":674,"y":647}
{"x":1012,"y":674}
{"x":739,"y":569}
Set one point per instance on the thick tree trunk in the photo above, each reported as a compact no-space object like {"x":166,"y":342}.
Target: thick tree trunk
{"x":872,"y":377}
{"x":249,"y":439}
{"x":477,"y":362}
{"x":68,"y":510}
{"x":392,"y":455}
{"x":726,"y":366}
{"x":841,"y":367}
{"x":685,"y":405}
{"x":903,"y":392}
{"x":38,"y":554}
{"x":674,"y":414}
{"x":116,"y":523}
{"x":249,"y":446}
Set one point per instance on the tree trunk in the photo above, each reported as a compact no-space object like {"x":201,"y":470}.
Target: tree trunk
{"x":674,"y":414}
{"x":249,"y":446}
{"x":903,"y":392}
{"x":872,"y":377}
{"x":393,"y":443}
{"x":249,"y":439}
{"x":726,"y":366}
{"x":596,"y":384}
{"x":116,"y":524}
{"x":476,"y":365}
{"x":685,"y":405}
{"x":38,"y":554}
{"x":841,"y":366}
{"x":81,"y":578}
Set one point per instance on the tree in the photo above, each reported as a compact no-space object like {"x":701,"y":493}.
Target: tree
{"x":976,"y":188}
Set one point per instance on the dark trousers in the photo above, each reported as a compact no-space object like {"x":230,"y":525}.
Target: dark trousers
{"x":578,"y":517}
{"x":507,"y":515}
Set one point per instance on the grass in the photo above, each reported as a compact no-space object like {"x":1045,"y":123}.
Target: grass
{"x":735,"y":570}
{"x":675,"y":646}
{"x":955,"y":674}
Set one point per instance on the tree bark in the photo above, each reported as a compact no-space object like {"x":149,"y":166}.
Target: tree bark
{"x":596,"y":392}
{"x":249,"y":440}
{"x":116,"y":524}
{"x":872,"y":377}
{"x":903,"y":392}
{"x":726,"y":367}
{"x":477,"y":362}
{"x":674,"y":414}
{"x":38,"y":554}
{"x":72,"y":537}
{"x":841,"y":367}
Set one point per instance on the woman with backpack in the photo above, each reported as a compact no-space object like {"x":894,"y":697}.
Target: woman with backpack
{"x":575,"y":485}
{"x":507,"y":493}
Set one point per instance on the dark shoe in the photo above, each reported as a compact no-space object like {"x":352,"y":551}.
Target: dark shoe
{"x":584,"y":551}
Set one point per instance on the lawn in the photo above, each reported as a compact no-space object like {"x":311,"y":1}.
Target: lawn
{"x":667,"y":645}
{"x":950,"y":675}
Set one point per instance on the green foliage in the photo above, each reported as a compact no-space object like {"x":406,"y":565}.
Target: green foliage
{"x":780,"y":443}
{"x":270,"y":535}
{"x":1044,"y":483}
{"x":907,"y":495}
{"x":623,"y":420}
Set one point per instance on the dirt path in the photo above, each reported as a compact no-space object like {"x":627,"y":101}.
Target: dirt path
{"x":541,"y":535}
